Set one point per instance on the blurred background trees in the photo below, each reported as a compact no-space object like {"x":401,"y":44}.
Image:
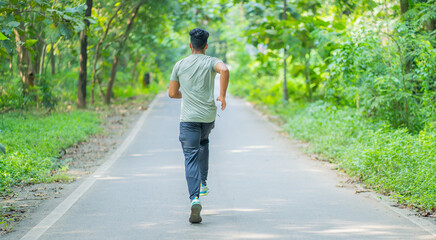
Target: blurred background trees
{"x":374,"y":55}
{"x":63,"y":50}
{"x":355,"y":78}
{"x":378,"y":56}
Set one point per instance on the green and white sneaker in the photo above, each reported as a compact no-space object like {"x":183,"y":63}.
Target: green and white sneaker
{"x":204,"y":190}
{"x":195,"y":211}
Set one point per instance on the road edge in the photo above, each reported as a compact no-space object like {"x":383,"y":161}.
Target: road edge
{"x":37,"y":231}
{"x":421,"y":222}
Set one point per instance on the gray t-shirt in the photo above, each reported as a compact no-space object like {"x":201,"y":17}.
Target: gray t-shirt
{"x":196,"y":74}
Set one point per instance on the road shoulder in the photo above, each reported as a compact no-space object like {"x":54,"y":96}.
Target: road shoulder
{"x":29,"y":204}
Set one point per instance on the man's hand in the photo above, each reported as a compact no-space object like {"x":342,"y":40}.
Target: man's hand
{"x":223,"y":102}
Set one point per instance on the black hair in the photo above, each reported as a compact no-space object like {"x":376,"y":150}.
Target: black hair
{"x":198,"y":38}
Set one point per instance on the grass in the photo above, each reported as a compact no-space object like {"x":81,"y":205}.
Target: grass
{"x":390,"y":160}
{"x":34,"y":139}
{"x":60,"y":178}
{"x":33,"y":142}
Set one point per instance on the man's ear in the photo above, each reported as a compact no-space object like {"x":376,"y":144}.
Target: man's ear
{"x":207,"y":45}
{"x":190,"y":45}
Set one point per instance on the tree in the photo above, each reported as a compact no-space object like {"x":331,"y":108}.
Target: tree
{"x":117,"y":54}
{"x":24,"y":59}
{"x":97,"y":50}
{"x":81,"y":91}
{"x":285,"y":84}
{"x":24,"y":27}
{"x":404,"y":6}
{"x":302,"y":34}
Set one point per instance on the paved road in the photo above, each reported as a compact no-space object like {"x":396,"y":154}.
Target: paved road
{"x":262,"y":187}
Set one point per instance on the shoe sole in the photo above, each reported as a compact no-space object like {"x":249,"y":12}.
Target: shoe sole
{"x":195,"y":214}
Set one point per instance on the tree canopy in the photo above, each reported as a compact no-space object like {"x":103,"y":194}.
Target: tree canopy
{"x":376,"y":55}
{"x":355,"y":78}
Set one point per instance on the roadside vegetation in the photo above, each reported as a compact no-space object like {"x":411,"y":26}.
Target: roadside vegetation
{"x":360,"y":85}
{"x":354,"y":78}
{"x":35,"y":142}
{"x":65,"y":64}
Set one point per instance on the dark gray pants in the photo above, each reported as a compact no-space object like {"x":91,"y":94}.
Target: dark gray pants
{"x":194,"y":137}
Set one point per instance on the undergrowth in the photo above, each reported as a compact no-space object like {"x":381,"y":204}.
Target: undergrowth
{"x":392,"y":161}
{"x":33,"y":142}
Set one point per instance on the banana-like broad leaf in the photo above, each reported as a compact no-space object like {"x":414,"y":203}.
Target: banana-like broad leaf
{"x":3,"y":37}
{"x":30,"y":42}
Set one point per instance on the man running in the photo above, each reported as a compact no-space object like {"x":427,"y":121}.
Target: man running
{"x":193,"y":78}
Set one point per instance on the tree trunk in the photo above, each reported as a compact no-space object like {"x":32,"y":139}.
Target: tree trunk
{"x":52,"y":60}
{"x":135,"y":65}
{"x":100,"y":89}
{"x":81,"y":91}
{"x":308,"y":80}
{"x":431,"y":25}
{"x":118,"y":54}
{"x":59,"y":65}
{"x":24,"y":61}
{"x":285,"y":84}
{"x":404,"y":5}
{"x":97,"y":55}
{"x":110,"y":85}
{"x":225,"y":51}
{"x":41,"y":62}
{"x":146,"y":80}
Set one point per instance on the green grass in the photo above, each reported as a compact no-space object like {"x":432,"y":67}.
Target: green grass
{"x":128,"y":91}
{"x":33,"y":141}
{"x":391,"y":161}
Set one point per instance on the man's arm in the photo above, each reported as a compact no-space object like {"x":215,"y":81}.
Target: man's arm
{"x":173,"y":91}
{"x":222,"y":69}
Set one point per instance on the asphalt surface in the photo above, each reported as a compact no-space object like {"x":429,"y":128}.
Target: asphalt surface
{"x":262,"y":187}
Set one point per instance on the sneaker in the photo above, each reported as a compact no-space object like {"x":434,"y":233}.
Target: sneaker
{"x":204,"y":190}
{"x":195,"y":211}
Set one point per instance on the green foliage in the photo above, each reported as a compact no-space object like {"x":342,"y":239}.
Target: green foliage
{"x":373,"y":71}
{"x":130,"y":91}
{"x":33,"y":143}
{"x":43,"y":95}
{"x":372,"y":67}
{"x":307,"y":36}
{"x":397,"y":162}
{"x":392,"y":161}
{"x":10,"y":95}
{"x":18,"y":15}
{"x":368,"y":70}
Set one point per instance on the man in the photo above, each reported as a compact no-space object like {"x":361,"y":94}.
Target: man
{"x":192,"y":80}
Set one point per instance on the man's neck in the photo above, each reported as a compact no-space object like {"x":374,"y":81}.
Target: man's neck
{"x":198,"y":52}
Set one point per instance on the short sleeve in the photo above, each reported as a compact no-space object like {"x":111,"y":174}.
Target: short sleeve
{"x":174,"y":76}
{"x":214,"y":62}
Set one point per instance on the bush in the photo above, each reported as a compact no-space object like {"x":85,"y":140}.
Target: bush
{"x":386,"y":76}
{"x":392,"y":161}
{"x":397,"y":162}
